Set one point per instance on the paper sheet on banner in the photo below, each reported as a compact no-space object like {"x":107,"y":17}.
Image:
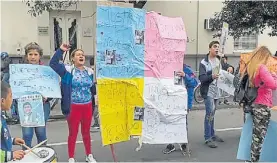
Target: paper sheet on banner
{"x":225,"y":82}
{"x":118,"y":99}
{"x":29,"y":79}
{"x":165,"y":112}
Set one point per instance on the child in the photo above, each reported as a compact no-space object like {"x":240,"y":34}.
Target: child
{"x":6,"y":141}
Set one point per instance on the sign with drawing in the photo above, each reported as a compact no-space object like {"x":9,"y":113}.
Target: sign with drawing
{"x":30,"y":108}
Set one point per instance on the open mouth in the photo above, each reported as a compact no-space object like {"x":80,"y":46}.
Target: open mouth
{"x":81,"y":60}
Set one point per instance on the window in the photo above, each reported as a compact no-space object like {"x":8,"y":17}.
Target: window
{"x":246,"y":43}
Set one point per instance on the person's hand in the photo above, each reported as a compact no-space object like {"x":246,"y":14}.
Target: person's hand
{"x":230,"y":70}
{"x":18,"y":155}
{"x":65,"y":47}
{"x":18,"y":141}
{"x":181,"y":73}
{"x":215,"y":76}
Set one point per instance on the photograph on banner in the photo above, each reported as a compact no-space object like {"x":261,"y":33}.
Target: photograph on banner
{"x":165,"y":112}
{"x":28,"y":79}
{"x":31,"y":113}
{"x":269,"y":147}
{"x":117,"y":100}
{"x":225,"y":82}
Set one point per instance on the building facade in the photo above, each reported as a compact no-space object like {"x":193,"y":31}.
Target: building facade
{"x":77,"y":25}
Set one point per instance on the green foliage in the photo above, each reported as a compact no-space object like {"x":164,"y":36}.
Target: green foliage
{"x":247,"y":17}
{"x":37,"y":7}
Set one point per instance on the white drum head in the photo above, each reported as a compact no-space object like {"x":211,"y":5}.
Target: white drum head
{"x":31,"y":157}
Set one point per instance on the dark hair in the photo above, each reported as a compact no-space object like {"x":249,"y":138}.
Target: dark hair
{"x":5,"y":87}
{"x":212,"y":43}
{"x":276,"y":54}
{"x":225,"y":57}
{"x":33,"y":46}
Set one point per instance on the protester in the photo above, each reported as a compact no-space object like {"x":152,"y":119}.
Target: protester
{"x":77,"y":101}
{"x":190,"y":83}
{"x":33,"y":54}
{"x":208,"y":74}
{"x":6,"y":140}
{"x":265,"y":81}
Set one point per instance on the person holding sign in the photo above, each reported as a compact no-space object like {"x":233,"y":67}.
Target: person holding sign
{"x":6,"y":140}
{"x":208,"y":74}
{"x":33,"y":53}
{"x":77,"y":101}
{"x":260,"y":78}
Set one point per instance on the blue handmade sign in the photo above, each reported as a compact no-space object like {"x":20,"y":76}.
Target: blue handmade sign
{"x":120,"y":42}
{"x":269,"y":147}
{"x":30,"y":79}
{"x":30,"y":108}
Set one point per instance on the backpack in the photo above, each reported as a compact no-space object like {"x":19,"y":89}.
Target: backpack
{"x":244,"y":94}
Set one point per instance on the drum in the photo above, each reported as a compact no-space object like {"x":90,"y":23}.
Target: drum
{"x":48,"y":153}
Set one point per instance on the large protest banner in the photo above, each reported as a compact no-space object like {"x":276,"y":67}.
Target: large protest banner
{"x":30,"y":79}
{"x":120,"y":71}
{"x":165,"y":96}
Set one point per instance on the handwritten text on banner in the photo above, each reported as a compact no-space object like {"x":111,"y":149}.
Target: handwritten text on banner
{"x":28,"y":79}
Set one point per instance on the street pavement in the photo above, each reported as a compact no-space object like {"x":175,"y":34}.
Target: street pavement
{"x":228,"y":123}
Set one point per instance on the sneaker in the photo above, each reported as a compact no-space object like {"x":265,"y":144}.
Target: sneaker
{"x":96,"y":126}
{"x":217,"y":139}
{"x":226,"y":102}
{"x":169,"y":148}
{"x":90,"y":159}
{"x":211,"y":144}
{"x":184,"y":149}
{"x":71,"y":160}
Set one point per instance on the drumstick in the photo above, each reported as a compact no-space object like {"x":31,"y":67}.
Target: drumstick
{"x":37,"y":146}
{"x":24,"y":145}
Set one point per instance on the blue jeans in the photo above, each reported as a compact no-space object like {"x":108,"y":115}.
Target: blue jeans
{"x":28,"y":132}
{"x":210,"y":105}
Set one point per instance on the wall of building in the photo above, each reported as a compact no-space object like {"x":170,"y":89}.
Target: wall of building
{"x":20,"y":28}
